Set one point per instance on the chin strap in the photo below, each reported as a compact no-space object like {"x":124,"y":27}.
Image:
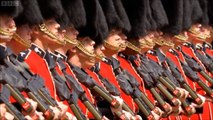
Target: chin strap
{"x":21,"y":40}
{"x":45,"y":30}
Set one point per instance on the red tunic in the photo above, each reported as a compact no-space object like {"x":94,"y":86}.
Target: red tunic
{"x":189,"y":51}
{"x":127,"y":65}
{"x":88,"y":94}
{"x":95,"y":77}
{"x":202,"y":52}
{"x":209,"y":51}
{"x":38,"y":65}
{"x":155,"y":58}
{"x":107,"y":72}
{"x":207,"y":108}
{"x":57,"y":67}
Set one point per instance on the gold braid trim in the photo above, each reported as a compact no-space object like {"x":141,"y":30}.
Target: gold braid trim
{"x":45,"y":30}
{"x":110,"y":46}
{"x":20,"y":40}
{"x":133,"y":47}
{"x":4,"y":32}
{"x":73,"y":42}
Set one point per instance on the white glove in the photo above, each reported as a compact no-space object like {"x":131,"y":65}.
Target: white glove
{"x":70,"y":116}
{"x":184,"y":93}
{"x":8,"y":116}
{"x":40,"y":115}
{"x":27,"y":117}
{"x":33,"y":103}
{"x":127,"y":114}
{"x":120,"y":100}
{"x":179,"y":110}
{"x":63,"y":108}
{"x":56,"y":111}
{"x":159,"y":110}
{"x":203,"y":99}
{"x":156,"y":116}
{"x":105,"y":118}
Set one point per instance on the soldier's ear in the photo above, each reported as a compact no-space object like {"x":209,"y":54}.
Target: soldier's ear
{"x":35,"y":29}
{"x":73,"y":50}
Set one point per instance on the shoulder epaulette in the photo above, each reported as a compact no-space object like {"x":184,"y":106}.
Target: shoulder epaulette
{"x":22,"y":55}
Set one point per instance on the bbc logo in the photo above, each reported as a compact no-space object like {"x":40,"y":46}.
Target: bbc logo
{"x":10,"y":3}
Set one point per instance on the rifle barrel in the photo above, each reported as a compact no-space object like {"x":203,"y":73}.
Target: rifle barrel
{"x":207,"y":77}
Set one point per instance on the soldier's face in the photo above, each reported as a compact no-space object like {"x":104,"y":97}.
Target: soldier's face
{"x":115,"y":39}
{"x":53,"y":27}
{"x":24,"y":32}
{"x":72,"y":33}
{"x":7,"y":24}
{"x":123,"y":41}
{"x":89,"y":46}
{"x":99,"y":50}
{"x":143,"y":44}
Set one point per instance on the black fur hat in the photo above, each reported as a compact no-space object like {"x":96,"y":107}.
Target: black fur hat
{"x":112,"y":18}
{"x":174,"y":11}
{"x":122,"y":15}
{"x":136,"y":11}
{"x":31,"y":14}
{"x":150,"y":22}
{"x":210,"y":12}
{"x":197,"y":12}
{"x":11,"y":8}
{"x":158,"y":13}
{"x":204,"y":6}
{"x":50,"y":8}
{"x":63,"y":20}
{"x":75,"y":12}
{"x":96,"y":25}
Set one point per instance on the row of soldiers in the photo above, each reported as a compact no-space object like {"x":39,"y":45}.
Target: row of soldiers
{"x":106,"y":59}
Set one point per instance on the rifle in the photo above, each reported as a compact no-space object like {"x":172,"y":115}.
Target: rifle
{"x":206,"y":61}
{"x":85,"y":80}
{"x":35,"y":85}
{"x":176,"y":73}
{"x":64,"y":91}
{"x":135,"y":85}
{"x":30,"y":89}
{"x":75,"y":85}
{"x":124,"y":84}
{"x":156,"y":76}
{"x":92,"y":85}
{"x":128,"y":87}
{"x":170,"y":82}
{"x":194,"y":77}
{"x":167,"y":78}
{"x":112,"y":90}
{"x":4,"y":97}
{"x":7,"y":81}
{"x":194,"y":65}
{"x":149,"y":83}
{"x":207,"y":46}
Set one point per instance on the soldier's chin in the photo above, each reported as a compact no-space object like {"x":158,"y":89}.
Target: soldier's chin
{"x":122,"y":49}
{"x":6,"y":38}
{"x":90,"y":63}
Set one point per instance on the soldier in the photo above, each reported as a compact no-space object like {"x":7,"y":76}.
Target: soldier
{"x":7,"y":30}
{"x":113,"y":45}
{"x":44,"y":34}
{"x":79,"y":56}
{"x":86,"y":54}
